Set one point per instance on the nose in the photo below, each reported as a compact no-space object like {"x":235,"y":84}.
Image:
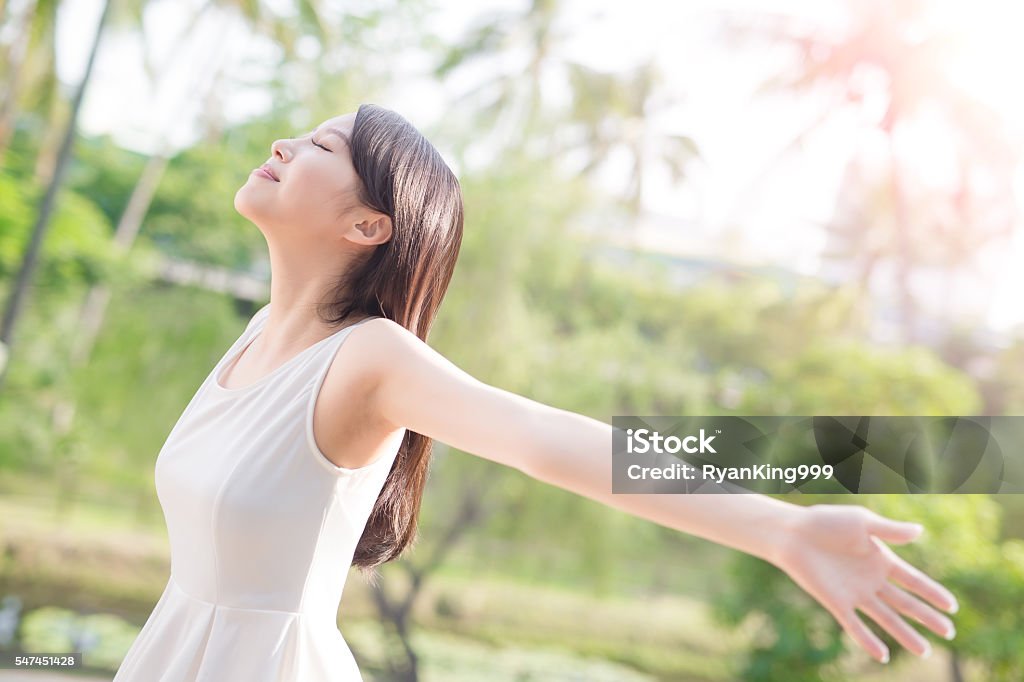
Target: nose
{"x":280,"y":149}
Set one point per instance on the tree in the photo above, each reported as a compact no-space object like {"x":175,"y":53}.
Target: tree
{"x":516,"y":101}
{"x":607,"y":113}
{"x":24,"y":278}
{"x":613,"y":111}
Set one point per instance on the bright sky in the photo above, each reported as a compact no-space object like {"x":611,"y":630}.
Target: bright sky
{"x":775,"y":205}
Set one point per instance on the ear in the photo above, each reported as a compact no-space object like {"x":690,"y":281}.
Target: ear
{"x":373,"y":230}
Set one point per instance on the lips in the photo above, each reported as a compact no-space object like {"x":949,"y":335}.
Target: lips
{"x":266,"y":169}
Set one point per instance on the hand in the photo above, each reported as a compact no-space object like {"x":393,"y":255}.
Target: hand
{"x":837,"y":554}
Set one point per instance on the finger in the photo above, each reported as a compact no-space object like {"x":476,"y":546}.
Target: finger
{"x":918,"y":610}
{"x":860,"y":633}
{"x":920,"y":584}
{"x":896,"y":626}
{"x":896,"y":532}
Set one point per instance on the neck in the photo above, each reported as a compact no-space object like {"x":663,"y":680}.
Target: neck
{"x":298,"y":284}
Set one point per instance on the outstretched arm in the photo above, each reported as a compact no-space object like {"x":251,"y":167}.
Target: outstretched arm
{"x":837,"y":553}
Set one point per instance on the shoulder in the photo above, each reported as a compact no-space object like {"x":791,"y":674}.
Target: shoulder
{"x":379,"y":330}
{"x":375,"y":349}
{"x":384,"y":359}
{"x":384,"y":328}
{"x":372,"y":354}
{"x":381,"y":345}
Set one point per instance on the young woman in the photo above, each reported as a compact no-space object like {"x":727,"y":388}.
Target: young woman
{"x":296,"y":458}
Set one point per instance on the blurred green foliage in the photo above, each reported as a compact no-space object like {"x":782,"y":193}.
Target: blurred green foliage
{"x":102,"y":639}
{"x":535,"y":308}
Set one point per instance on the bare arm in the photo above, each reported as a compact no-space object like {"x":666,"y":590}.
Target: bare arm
{"x":835,"y":552}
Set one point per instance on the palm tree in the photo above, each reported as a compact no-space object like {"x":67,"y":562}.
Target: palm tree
{"x":31,"y":74}
{"x":32,"y":58}
{"x":614,"y":113}
{"x":499,"y":33}
{"x":608,"y":112}
{"x":28,"y":265}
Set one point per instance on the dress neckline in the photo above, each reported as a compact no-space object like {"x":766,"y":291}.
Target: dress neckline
{"x":277,"y":370}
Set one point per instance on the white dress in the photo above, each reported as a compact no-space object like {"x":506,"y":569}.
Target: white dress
{"x":262,"y":531}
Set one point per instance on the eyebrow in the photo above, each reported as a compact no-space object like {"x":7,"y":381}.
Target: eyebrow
{"x":332,"y":130}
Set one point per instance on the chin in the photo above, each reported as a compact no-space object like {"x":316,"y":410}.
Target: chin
{"x":245,"y":209}
{"x":243,"y":203}
{"x":238,"y":202}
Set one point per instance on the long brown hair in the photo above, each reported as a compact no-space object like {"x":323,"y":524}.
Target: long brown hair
{"x":403,"y":279}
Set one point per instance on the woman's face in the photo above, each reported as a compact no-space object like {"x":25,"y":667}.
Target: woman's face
{"x":315,"y":182}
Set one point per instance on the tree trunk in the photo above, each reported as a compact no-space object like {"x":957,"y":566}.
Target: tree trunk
{"x":94,"y":309}
{"x":955,"y":672}
{"x":397,"y":610}
{"x":28,"y":266}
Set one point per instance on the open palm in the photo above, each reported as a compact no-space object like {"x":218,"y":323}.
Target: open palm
{"x":839,"y":555}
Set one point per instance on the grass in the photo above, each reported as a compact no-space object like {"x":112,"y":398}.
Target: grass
{"x":96,"y":560}
{"x":99,"y":560}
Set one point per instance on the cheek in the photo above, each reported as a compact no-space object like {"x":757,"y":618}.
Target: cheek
{"x":310,"y":182}
{"x":309,"y":196}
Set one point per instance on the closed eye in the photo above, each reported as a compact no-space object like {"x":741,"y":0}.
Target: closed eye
{"x":319,"y":145}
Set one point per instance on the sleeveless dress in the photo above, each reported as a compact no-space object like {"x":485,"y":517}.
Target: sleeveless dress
{"x":262,"y":530}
